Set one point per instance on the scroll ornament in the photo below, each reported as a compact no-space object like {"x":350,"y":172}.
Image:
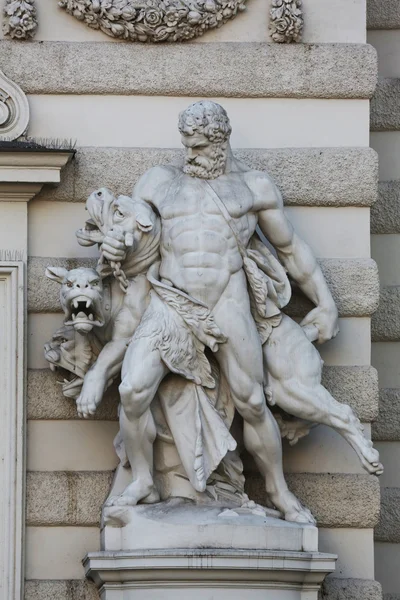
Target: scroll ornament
{"x":287,"y":22}
{"x":154,"y":20}
{"x":20,"y":19}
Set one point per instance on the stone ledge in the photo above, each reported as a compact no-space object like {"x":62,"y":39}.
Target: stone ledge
{"x":385,"y":325}
{"x":383,"y":14}
{"x":305,"y":176}
{"x":354,"y":284}
{"x":387,"y":426}
{"x":385,"y":106}
{"x":41,"y":589}
{"x":356,"y":386}
{"x":246,"y":70}
{"x":388,"y":528}
{"x":350,"y":589}
{"x":66,"y":498}
{"x":385,"y":212}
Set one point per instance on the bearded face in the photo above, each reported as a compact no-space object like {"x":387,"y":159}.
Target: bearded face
{"x":207,"y":166}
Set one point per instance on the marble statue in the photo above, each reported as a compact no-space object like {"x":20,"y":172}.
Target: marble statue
{"x":186,"y":305}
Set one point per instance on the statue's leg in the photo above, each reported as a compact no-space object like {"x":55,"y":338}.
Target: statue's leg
{"x":142,"y":372}
{"x":294,"y":370}
{"x":240,"y":358}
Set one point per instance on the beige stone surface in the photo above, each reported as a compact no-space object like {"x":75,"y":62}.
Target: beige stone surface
{"x":351,"y":346}
{"x":385,"y":106}
{"x":13,"y":223}
{"x":71,"y":445}
{"x":305,"y":176}
{"x":387,"y":145}
{"x":354,"y":548}
{"x":387,"y":561}
{"x":388,"y":528}
{"x":385,"y":212}
{"x":390,"y":457}
{"x":65,"y":498}
{"x":382,"y":246}
{"x":40,"y":331}
{"x":387,"y":425}
{"x":385,"y":324}
{"x":316,"y":71}
{"x":343,"y":500}
{"x":354,"y":284}
{"x":387,"y":44}
{"x":60,"y":590}
{"x":357,"y":386}
{"x":383,"y":14}
{"x":257,"y":122}
{"x":350,"y":589}
{"x":386,"y":359}
{"x":57,"y":552}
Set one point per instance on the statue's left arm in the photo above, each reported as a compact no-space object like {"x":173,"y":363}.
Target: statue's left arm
{"x":298,"y":259}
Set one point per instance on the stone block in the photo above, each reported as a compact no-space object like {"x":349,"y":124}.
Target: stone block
{"x":350,"y":589}
{"x":383,"y":14}
{"x":283,"y":70}
{"x":60,"y":590}
{"x":385,"y":212}
{"x":342,"y":500}
{"x":388,"y":528}
{"x":305,"y":176}
{"x":387,"y":425}
{"x":356,"y":386}
{"x":385,"y":106}
{"x":385,"y":325}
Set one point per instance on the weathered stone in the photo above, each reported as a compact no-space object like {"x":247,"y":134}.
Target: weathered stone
{"x":354,"y":284}
{"x":385,"y":212}
{"x":60,"y":590}
{"x":46,"y":401}
{"x":79,"y":494}
{"x":388,"y":529}
{"x":350,"y":589}
{"x":356,"y":386}
{"x":387,"y":426}
{"x":305,"y":176}
{"x":383,"y":14}
{"x":385,"y":106}
{"x":385,"y":326}
{"x":289,"y":71}
{"x":342,"y":500}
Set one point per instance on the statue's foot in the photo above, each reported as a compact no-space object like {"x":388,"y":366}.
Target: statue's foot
{"x":369,"y":458}
{"x":136,"y":492}
{"x":291,"y":508}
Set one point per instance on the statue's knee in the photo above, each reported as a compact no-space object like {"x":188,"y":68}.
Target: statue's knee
{"x":133,"y":399}
{"x":253,"y":406}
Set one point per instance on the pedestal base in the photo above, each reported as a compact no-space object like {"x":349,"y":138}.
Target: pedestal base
{"x":208,"y":574}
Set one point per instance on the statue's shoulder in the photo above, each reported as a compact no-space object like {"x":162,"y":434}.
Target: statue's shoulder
{"x":264,"y":189}
{"x":153,"y":178}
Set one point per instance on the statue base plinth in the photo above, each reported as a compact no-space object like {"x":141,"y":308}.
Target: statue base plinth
{"x":179,"y":550}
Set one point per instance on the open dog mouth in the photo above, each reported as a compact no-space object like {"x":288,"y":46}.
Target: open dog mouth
{"x":84,"y":311}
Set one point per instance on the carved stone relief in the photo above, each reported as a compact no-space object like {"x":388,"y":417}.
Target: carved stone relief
{"x":286,"y":23}
{"x":14,"y":109}
{"x":154,"y":20}
{"x":20,"y":19}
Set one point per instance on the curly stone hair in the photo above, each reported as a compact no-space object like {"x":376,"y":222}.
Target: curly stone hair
{"x":208,"y":118}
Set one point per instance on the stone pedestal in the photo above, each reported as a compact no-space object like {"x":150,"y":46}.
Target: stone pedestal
{"x":180,"y":550}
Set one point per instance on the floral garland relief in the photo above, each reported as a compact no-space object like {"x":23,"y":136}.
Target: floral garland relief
{"x":20,"y":19}
{"x":154,"y":20}
{"x":286,"y":23}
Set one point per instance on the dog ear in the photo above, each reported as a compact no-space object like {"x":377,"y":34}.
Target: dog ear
{"x":144,"y":222}
{"x":56,"y":273}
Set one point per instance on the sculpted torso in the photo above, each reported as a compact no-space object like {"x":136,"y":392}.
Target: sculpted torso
{"x":199,"y":252}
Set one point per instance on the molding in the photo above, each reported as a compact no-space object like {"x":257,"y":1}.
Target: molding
{"x":282,"y":71}
{"x":385,"y":212}
{"x":385,"y":324}
{"x":305,"y":176}
{"x":387,"y":426}
{"x":14,"y":109}
{"x":354,"y":283}
{"x":385,"y":106}
{"x":286,"y":23}
{"x":20,"y":20}
{"x":383,"y":14}
{"x":156,"y":20}
{"x":356,"y":386}
{"x":12,"y":442}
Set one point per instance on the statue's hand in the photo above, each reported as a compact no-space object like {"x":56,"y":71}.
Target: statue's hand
{"x":90,"y":396}
{"x":114,"y":246}
{"x":325,"y":319}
